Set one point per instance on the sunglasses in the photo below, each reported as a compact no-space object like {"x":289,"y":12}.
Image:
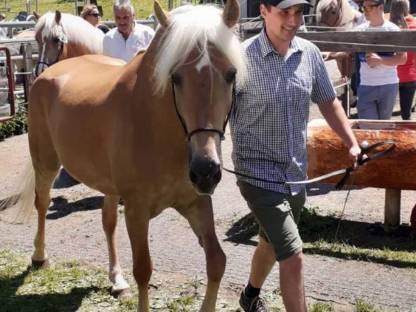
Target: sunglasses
{"x":93,"y":14}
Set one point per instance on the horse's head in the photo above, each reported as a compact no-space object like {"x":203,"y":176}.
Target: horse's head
{"x":200,"y":61}
{"x":51,"y":38}
{"x":61,"y":36}
{"x":329,"y":12}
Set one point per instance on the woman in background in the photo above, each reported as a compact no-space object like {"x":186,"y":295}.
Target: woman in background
{"x":91,"y":14}
{"x":400,"y":15}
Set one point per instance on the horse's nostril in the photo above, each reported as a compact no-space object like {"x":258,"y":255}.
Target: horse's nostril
{"x":217,"y":176}
{"x":193,"y":176}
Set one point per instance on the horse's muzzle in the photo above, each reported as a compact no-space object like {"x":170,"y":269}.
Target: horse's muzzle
{"x":205,"y":174}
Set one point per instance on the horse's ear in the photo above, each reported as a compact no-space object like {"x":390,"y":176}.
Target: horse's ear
{"x":231,"y":13}
{"x":57,"y":16}
{"x":35,"y":14}
{"x":161,"y":15}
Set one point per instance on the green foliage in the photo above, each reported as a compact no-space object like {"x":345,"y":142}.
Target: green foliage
{"x":15,"y":126}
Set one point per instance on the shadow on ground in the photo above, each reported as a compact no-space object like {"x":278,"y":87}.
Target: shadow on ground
{"x":61,"y":208}
{"x":323,"y":230}
{"x":10,"y":301}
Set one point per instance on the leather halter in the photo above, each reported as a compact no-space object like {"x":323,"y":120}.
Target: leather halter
{"x":188,"y":133}
{"x":49,"y":64}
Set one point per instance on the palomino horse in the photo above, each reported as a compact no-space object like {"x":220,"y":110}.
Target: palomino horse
{"x":60,"y":36}
{"x":337,"y":13}
{"x":149,"y":131}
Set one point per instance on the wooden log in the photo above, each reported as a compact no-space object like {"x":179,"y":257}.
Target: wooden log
{"x":397,"y":170}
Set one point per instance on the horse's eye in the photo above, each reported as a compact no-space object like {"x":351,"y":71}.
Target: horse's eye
{"x":230,"y":75}
{"x":56,"y":40}
{"x":176,"y":79}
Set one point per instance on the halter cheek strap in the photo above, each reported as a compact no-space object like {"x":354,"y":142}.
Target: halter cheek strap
{"x":42,"y":58}
{"x":198,"y":130}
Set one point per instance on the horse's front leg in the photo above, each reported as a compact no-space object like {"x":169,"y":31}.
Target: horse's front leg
{"x":201,"y":219}
{"x":137,"y":220}
{"x":119,"y":288}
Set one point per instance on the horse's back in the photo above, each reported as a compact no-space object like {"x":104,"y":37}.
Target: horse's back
{"x":73,"y":106}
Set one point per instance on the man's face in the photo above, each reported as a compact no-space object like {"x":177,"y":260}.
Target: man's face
{"x":372,"y":10}
{"x":282,"y":24}
{"x":124,"y":21}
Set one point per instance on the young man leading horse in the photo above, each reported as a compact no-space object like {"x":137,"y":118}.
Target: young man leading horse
{"x":268,"y":129}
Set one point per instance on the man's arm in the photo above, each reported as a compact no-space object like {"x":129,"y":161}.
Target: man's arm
{"x":335,"y":117}
{"x":373,"y":59}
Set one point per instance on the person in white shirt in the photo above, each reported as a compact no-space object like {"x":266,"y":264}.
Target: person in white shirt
{"x":379,"y":82}
{"x":127,"y":38}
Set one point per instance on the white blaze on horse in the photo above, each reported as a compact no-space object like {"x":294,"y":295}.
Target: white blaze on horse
{"x":149,"y":131}
{"x":60,"y":36}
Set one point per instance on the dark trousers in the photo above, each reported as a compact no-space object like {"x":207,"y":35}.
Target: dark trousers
{"x":406,"y":93}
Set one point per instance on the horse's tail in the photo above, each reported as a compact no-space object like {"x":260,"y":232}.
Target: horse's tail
{"x":23,"y":200}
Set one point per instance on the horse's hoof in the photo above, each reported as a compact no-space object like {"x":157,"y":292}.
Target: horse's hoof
{"x":39,"y":264}
{"x":121,"y":293}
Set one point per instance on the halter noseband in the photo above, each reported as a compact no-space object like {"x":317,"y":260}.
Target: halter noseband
{"x":195,"y":131}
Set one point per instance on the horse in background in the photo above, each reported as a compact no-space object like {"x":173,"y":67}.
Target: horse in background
{"x":339,"y":14}
{"x":149,"y":131}
{"x":61,"y":36}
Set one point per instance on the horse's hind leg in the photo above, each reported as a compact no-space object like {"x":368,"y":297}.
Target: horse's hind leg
{"x":137,"y":220}
{"x":120,"y":287}
{"x":200,"y":217}
{"x":43,"y":183}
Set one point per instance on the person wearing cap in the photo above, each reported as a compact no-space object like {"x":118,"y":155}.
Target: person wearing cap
{"x":128,"y":37}
{"x":379,"y":82}
{"x":92,"y":15}
{"x":268,"y":129}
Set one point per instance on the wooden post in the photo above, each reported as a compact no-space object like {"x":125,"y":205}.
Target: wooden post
{"x":392,"y":208}
{"x":28,"y":69}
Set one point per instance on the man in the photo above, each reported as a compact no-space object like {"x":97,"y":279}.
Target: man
{"x":268,"y":129}
{"x":127,"y":38}
{"x":379,"y":82}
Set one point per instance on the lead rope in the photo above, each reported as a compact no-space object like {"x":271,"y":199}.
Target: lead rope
{"x":341,"y":217}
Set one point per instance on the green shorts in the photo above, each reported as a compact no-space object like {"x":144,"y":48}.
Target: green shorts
{"x":277,"y":215}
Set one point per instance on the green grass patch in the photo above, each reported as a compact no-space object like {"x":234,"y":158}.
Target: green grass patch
{"x":355,"y":240}
{"x":143,"y":8}
{"x":67,"y":286}
{"x":71,"y":286}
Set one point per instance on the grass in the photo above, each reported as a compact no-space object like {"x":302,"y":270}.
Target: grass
{"x":71,"y":286}
{"x":143,"y":8}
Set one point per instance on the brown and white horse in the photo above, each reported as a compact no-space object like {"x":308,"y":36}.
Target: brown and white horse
{"x":149,"y":131}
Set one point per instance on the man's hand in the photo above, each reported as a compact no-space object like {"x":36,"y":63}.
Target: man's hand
{"x":354,"y":154}
{"x":373,"y":59}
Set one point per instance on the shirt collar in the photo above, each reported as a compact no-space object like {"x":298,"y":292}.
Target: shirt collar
{"x":266,"y":46}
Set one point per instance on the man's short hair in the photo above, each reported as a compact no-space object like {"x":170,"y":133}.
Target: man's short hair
{"x":123,"y":4}
{"x":378,"y":2}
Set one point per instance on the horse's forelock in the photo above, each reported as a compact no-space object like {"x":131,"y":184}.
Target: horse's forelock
{"x":193,"y":26}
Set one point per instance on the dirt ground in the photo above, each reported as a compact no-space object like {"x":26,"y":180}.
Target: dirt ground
{"x":74,"y":232}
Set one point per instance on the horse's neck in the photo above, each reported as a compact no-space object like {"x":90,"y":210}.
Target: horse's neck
{"x":73,"y":50}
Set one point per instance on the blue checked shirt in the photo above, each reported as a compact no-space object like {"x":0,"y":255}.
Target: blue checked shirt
{"x":269,"y":121}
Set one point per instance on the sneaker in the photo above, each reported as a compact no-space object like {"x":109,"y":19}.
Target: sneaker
{"x":255,"y":304}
